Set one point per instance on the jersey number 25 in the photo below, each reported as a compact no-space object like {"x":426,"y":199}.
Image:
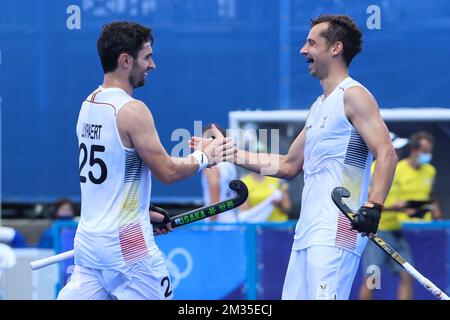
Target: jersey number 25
{"x":92,"y":162}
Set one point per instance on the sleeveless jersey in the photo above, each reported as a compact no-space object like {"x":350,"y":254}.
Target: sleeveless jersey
{"x":334,"y":155}
{"x":114,"y":229}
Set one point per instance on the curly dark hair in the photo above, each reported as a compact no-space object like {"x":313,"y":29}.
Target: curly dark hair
{"x":121,"y":37}
{"x":341,"y":28}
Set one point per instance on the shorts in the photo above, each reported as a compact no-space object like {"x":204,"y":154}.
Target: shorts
{"x":375,"y":256}
{"x":144,"y":280}
{"x":320,"y":273}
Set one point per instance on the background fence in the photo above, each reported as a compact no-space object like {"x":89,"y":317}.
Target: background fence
{"x":249,"y":261}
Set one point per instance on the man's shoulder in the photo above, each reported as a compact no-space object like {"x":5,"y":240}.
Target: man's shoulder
{"x":135,"y":107}
{"x":403,"y":165}
{"x":403,"y":171}
{"x":134,"y":115}
{"x":352,"y":87}
{"x":359,"y":100}
{"x":248,"y":179}
{"x":429,"y":169}
{"x":357,"y":91}
{"x":93,"y":93}
{"x":136,"y":103}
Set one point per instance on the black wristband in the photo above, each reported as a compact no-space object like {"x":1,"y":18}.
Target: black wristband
{"x":376,"y":205}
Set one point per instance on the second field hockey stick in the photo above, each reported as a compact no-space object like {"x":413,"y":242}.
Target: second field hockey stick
{"x":337,"y":195}
{"x":180,"y":219}
{"x":208,"y":211}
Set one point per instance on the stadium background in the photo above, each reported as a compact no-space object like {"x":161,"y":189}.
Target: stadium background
{"x":213,"y":57}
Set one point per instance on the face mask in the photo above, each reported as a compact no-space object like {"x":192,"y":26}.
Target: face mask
{"x":424,"y":158}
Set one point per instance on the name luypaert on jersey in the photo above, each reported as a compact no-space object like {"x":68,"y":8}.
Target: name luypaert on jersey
{"x":91,"y":131}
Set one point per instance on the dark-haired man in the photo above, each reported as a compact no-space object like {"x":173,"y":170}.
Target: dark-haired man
{"x":116,"y":256}
{"x":343,"y":132}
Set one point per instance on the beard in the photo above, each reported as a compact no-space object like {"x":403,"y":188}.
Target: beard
{"x":136,"y":78}
{"x":136,"y":81}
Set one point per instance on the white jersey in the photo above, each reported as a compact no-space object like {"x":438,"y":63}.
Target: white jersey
{"x":114,"y":229}
{"x":335,"y":155}
{"x":227,"y":172}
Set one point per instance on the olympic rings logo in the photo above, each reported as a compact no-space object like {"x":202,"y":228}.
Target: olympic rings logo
{"x":175,"y":273}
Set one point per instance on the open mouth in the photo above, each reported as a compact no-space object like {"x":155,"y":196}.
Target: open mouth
{"x":310,"y":63}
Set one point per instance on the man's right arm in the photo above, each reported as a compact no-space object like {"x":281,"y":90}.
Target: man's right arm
{"x":137,"y":130}
{"x":275,"y":165}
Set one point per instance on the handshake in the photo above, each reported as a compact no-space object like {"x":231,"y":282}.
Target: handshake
{"x":213,"y":148}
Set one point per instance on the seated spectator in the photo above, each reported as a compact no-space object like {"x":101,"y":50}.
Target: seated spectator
{"x":64,"y":210}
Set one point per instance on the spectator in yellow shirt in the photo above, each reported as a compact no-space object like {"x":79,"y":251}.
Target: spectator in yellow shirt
{"x":415,"y":178}
{"x":390,"y":230}
{"x":410,"y":199}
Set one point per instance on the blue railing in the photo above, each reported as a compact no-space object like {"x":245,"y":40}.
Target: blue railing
{"x":255,"y":256}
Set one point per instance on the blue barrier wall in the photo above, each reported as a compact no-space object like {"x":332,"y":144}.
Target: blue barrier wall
{"x":211,"y":56}
{"x":249,"y":261}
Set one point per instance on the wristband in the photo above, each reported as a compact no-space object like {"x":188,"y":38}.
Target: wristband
{"x":377,"y":205}
{"x":201,"y":158}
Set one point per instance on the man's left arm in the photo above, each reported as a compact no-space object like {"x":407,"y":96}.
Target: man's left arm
{"x":362,"y":111}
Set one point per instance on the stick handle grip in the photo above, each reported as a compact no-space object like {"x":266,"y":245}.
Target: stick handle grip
{"x":38,"y":264}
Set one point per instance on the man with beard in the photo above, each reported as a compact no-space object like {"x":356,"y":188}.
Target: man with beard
{"x":116,"y":256}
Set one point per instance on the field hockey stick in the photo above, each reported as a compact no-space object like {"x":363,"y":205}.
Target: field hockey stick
{"x":178,"y":220}
{"x":41,"y":263}
{"x":208,"y":211}
{"x":337,"y":195}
